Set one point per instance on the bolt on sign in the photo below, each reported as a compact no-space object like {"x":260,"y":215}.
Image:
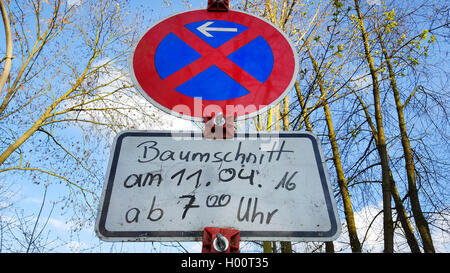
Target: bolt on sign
{"x":164,"y":186}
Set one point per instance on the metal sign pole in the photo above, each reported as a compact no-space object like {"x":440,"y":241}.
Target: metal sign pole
{"x":219,"y":127}
{"x":218,"y":5}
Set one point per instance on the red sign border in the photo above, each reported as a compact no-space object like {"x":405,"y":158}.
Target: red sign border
{"x":197,"y":101}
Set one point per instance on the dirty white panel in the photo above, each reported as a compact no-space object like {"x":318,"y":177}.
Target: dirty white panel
{"x":163,"y":186}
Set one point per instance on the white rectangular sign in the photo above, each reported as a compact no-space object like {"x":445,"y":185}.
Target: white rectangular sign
{"x":164,"y":186}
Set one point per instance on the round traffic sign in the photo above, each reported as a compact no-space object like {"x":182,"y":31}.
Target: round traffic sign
{"x":198,"y":63}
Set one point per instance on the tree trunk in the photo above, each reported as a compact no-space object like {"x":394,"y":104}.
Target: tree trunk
{"x":388,"y":227}
{"x":421,"y":222}
{"x":285,"y":115}
{"x":342,"y":182}
{"x":9,"y":47}
{"x":404,"y":221}
{"x":286,"y":247}
{"x":303,"y":114}
{"x":267,"y":247}
{"x":402,"y":215}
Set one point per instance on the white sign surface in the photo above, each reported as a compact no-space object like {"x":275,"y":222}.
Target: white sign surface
{"x":164,"y":186}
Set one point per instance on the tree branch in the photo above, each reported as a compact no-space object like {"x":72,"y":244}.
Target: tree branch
{"x":9,"y":47}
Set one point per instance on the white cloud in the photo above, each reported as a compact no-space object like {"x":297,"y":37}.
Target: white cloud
{"x":195,"y":248}
{"x":73,"y":2}
{"x":440,"y":233}
{"x":8,"y":221}
{"x":369,"y":222}
{"x":60,"y":225}
{"x":75,"y":246}
{"x":249,"y":247}
{"x":374,"y":2}
{"x":34,"y":200}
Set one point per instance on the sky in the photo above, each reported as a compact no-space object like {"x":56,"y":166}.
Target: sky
{"x":27,"y":199}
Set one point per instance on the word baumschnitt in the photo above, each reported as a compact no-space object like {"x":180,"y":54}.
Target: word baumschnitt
{"x":150,"y":151}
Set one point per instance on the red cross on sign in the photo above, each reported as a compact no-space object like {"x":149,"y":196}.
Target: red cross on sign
{"x":199,"y":63}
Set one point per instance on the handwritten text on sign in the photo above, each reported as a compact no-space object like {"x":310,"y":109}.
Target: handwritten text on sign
{"x":164,"y":186}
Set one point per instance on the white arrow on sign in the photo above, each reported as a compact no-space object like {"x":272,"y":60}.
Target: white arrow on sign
{"x":205,"y":28}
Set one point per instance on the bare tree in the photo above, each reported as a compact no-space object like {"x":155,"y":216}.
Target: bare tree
{"x":67,"y":91}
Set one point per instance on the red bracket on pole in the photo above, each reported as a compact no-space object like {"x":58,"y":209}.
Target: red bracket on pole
{"x":219,"y":127}
{"x":220,"y":240}
{"x":218,"y":5}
